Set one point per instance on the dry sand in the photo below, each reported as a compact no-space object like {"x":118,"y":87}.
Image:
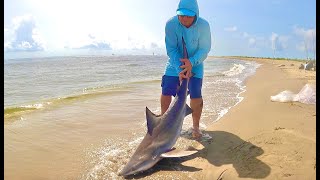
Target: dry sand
{"x":261,"y":139}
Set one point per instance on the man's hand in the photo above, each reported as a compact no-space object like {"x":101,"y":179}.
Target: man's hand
{"x":187,"y":67}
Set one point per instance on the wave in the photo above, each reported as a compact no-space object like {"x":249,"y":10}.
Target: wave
{"x":87,"y":93}
{"x":16,"y":111}
{"x":132,"y":65}
{"x":216,"y":74}
{"x":236,"y":69}
{"x":146,"y":81}
{"x":12,"y":110}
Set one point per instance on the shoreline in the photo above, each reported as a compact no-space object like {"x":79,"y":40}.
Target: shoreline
{"x":290,"y":66}
{"x":242,"y":144}
{"x":259,"y":138}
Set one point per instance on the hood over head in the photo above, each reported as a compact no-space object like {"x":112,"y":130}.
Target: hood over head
{"x":188,"y":8}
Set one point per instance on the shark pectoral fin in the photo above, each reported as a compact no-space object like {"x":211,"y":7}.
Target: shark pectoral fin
{"x":177,"y":153}
{"x":152,"y":120}
{"x":188,"y":110}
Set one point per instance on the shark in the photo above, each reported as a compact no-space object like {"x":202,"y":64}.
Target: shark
{"x":162,"y":134}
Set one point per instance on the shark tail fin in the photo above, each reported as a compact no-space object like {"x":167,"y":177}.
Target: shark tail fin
{"x":188,"y":110}
{"x":188,"y":92}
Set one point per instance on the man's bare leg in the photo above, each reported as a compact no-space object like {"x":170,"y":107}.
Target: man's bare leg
{"x":196,"y":106}
{"x":165,"y":102}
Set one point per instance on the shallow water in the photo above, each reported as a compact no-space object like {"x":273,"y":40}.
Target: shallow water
{"x":88,"y":128}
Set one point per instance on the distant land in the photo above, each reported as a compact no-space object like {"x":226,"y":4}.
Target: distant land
{"x":252,"y":57}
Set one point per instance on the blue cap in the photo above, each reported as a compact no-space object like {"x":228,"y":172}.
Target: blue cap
{"x":185,"y":12}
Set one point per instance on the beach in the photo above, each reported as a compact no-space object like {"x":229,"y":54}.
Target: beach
{"x":75,"y":122}
{"x":82,"y":117}
{"x":261,"y":139}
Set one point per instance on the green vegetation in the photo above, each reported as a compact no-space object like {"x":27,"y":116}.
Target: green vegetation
{"x":277,"y":58}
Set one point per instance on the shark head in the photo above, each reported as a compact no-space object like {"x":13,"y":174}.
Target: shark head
{"x":138,"y":164}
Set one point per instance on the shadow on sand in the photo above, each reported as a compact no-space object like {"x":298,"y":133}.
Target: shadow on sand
{"x":222,"y":149}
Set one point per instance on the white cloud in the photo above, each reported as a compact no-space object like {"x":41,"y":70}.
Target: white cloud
{"x":308,"y":33}
{"x":301,"y":46}
{"x":23,"y":36}
{"x":245,"y":35}
{"x":231,"y":29}
{"x":307,"y":39}
{"x":154,"y":45}
{"x":87,"y":24}
{"x":92,"y":43}
{"x":132,"y":41}
{"x":96,"y":46}
{"x":252,"y":42}
{"x":278,"y":43}
{"x":274,"y":38}
{"x":124,"y":37}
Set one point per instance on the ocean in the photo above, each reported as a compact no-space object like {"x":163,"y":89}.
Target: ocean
{"x":81,"y":117}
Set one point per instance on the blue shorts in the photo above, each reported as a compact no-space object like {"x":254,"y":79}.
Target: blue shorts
{"x":170,"y":84}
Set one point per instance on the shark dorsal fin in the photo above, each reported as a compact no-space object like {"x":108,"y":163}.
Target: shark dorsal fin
{"x":152,"y":120}
{"x":188,"y":110}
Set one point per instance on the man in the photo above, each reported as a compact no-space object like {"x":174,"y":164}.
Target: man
{"x":193,"y":31}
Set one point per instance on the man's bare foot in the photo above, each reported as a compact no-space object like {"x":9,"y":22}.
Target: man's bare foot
{"x":196,"y":134}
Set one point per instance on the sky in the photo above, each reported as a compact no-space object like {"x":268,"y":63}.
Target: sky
{"x":259,"y":28}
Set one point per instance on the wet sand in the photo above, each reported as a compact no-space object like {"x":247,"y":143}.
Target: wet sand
{"x":258,"y":138}
{"x":261,"y":139}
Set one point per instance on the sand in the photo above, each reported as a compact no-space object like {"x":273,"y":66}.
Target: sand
{"x":261,"y":139}
{"x":256,"y":139}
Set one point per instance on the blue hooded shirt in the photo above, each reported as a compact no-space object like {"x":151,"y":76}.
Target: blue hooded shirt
{"x":197,"y":38}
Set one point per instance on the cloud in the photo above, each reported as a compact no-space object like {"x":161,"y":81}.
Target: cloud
{"x":231,"y":29}
{"x":252,"y":42}
{"x":135,"y":42}
{"x":308,"y":33}
{"x":245,"y":35}
{"x":307,"y":38}
{"x":96,"y":46}
{"x":154,"y":45}
{"x":274,"y":40}
{"x":130,"y":42}
{"x":278,"y":43}
{"x":23,"y":36}
{"x":88,"y":42}
{"x":91,"y":36}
